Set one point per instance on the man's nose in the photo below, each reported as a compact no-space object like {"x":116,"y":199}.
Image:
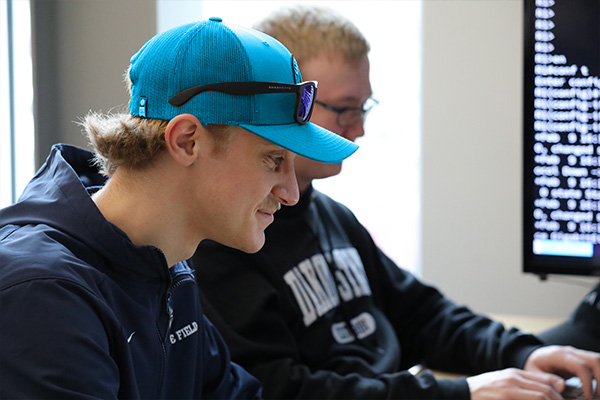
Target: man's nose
{"x":287,"y":190}
{"x":355,"y":130}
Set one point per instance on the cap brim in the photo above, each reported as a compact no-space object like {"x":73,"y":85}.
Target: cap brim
{"x":308,"y":140}
{"x":570,"y":334}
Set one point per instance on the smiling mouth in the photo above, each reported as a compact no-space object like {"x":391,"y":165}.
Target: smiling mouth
{"x":270,"y":212}
{"x":270,"y":208}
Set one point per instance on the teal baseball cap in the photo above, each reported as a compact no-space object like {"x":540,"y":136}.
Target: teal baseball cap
{"x":227,"y":74}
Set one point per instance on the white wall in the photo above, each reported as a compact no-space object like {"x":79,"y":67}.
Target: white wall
{"x":471,"y":162}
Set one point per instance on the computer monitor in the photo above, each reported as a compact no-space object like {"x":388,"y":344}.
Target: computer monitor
{"x":561,"y":141}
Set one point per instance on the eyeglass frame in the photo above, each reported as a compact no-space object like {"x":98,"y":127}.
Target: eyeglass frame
{"x":249,"y":88}
{"x":341,"y":110}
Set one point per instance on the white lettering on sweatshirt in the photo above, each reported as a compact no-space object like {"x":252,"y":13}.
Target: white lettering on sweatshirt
{"x":184,"y":332}
{"x":317,"y":291}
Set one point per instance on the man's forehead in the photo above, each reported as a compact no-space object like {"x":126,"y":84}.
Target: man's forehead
{"x":339,"y":80}
{"x":263,"y":143}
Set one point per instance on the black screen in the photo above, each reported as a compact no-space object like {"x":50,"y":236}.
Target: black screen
{"x":561,"y":140}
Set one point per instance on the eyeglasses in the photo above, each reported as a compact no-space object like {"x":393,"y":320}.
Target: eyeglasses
{"x":347,"y":116}
{"x":306,"y":92}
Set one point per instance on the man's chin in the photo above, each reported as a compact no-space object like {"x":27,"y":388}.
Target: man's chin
{"x":332,"y":170}
{"x":254,"y":245}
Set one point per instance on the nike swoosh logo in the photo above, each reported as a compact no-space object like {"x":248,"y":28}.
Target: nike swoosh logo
{"x":130,"y":336}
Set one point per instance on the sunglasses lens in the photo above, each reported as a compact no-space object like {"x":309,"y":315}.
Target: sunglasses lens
{"x":307,"y":97}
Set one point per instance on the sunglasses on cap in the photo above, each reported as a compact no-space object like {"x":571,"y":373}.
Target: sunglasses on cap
{"x":306,"y":92}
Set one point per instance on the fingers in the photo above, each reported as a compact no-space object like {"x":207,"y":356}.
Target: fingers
{"x":568,"y":361}
{"x":541,"y":382}
{"x":586,"y":366}
{"x":515,"y":384}
{"x":596,"y":373}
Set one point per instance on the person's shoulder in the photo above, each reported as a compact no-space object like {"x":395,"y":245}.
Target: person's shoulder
{"x":35,"y":255}
{"x":333,"y":206}
{"x":328,"y":200}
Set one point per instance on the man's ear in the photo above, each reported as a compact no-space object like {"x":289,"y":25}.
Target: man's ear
{"x":181,"y":137}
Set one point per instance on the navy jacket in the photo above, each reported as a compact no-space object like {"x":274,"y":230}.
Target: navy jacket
{"x":86,"y":313}
{"x":321,"y":312}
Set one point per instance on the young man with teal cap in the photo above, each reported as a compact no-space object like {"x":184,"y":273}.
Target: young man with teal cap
{"x":96,"y":299}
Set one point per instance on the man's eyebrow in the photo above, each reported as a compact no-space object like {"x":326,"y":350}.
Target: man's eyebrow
{"x":270,"y":146}
{"x":351,"y":99}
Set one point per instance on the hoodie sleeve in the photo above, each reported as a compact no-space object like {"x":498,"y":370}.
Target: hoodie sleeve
{"x":431,"y":328}
{"x":441,"y":334}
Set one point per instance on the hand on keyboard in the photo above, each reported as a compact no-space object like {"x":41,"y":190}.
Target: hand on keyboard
{"x":574,"y":391}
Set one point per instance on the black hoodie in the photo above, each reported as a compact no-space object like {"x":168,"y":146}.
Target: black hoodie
{"x":321,"y":312}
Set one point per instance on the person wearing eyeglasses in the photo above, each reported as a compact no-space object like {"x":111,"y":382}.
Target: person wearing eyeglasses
{"x":320,"y":311}
{"x":97,"y":299}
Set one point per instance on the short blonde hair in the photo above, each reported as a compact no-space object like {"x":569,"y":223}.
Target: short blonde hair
{"x":311,"y":30}
{"x":120,"y":140}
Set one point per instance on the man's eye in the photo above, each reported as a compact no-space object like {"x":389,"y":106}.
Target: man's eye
{"x":275,"y":161}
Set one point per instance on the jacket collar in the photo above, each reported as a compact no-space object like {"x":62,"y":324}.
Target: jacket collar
{"x":59,"y":197}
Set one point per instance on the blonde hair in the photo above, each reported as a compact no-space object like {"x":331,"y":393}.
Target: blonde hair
{"x":311,"y":30}
{"x":124,"y":141}
{"x":121,"y":140}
